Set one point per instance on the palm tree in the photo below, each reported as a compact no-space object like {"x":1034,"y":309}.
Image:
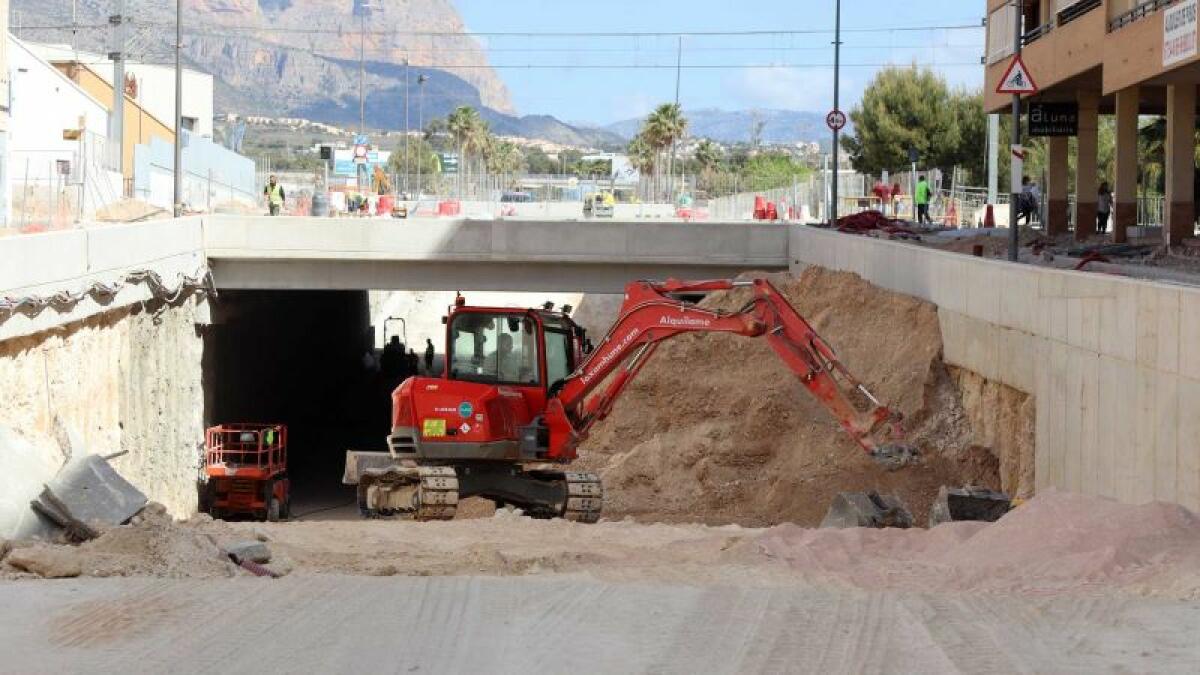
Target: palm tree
{"x":664,"y":127}
{"x":641,"y":154}
{"x":708,"y":156}
{"x":470,"y":133}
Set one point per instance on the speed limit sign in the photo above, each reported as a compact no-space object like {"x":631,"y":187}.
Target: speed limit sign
{"x":836,"y":119}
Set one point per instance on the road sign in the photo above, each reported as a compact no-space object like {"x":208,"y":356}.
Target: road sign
{"x":1017,"y":174}
{"x":1017,"y":79}
{"x":836,"y":119}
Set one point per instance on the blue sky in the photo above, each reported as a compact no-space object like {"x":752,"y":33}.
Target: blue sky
{"x":761,"y":71}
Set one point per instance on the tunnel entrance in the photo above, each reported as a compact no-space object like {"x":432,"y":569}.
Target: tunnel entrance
{"x":298,"y":358}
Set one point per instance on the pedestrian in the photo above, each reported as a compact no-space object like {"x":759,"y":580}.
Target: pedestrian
{"x":924,"y":192}
{"x":882,"y":193}
{"x":429,"y":351}
{"x":392,"y":362}
{"x":1104,"y":200}
{"x":413,"y":362}
{"x":274,"y":194}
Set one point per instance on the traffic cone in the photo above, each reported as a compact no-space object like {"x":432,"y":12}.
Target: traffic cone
{"x":989,"y":218}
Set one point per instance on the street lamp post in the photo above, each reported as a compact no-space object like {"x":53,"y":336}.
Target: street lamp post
{"x":407,"y":170}
{"x":421,"y":80}
{"x":837,"y":52}
{"x":178,"y":193}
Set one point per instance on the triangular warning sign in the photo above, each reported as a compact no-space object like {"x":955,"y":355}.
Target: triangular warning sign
{"x":1017,"y":79}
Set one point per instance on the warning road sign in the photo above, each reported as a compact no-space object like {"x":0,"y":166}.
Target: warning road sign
{"x":1017,"y":79}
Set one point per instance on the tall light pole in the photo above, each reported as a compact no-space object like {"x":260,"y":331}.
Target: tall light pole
{"x":116,"y":131}
{"x":178,"y":109}
{"x":407,"y":170}
{"x":421,"y":80}
{"x":837,"y":53}
{"x":362,"y":67}
{"x":1013,"y":234}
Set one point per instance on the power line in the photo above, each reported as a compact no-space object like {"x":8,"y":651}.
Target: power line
{"x":217,"y":30}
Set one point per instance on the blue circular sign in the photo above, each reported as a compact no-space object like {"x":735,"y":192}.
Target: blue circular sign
{"x":465,"y":409}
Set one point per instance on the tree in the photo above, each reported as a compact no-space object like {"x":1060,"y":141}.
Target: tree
{"x":663,"y":128}
{"x":707,"y":158}
{"x":905,"y":108}
{"x":642,"y":154}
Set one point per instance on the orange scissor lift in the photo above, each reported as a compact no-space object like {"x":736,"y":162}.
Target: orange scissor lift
{"x":246,"y":471}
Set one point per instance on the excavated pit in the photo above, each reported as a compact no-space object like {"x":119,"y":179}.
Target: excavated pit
{"x":717,"y":430}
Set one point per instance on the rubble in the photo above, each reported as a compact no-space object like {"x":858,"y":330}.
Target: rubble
{"x":86,"y":495}
{"x":48,"y":562}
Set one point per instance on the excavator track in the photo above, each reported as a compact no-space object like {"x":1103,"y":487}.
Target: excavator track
{"x":585,"y":497}
{"x":412,"y":493}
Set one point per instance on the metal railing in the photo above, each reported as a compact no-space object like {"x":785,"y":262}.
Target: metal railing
{"x":1137,"y":13}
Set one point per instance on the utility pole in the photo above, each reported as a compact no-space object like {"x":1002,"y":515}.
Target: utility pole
{"x":178,"y":109}
{"x":116,"y":118}
{"x":407,"y":170}
{"x":678,"y":72}
{"x":1013,"y":233}
{"x":362,"y":68}
{"x":421,"y":79}
{"x":837,"y":54}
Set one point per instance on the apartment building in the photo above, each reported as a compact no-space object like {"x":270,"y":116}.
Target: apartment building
{"x":1105,"y":57}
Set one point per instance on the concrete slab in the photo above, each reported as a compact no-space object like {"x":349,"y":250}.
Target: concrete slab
{"x":92,"y":492}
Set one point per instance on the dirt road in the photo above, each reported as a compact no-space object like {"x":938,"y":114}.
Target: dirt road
{"x":335,"y":623}
{"x":1066,"y":583}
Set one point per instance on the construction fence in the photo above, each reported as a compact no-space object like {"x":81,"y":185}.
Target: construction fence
{"x":55,"y":189}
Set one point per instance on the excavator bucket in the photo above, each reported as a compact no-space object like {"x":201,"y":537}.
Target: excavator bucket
{"x":867,"y":509}
{"x":968,"y":503}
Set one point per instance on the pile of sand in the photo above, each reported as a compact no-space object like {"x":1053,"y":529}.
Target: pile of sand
{"x":717,"y":430}
{"x":1055,"y":542}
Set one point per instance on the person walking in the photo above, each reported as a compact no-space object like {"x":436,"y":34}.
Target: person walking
{"x":921,"y":198}
{"x":429,"y":351}
{"x":1104,"y":200}
{"x":274,"y":194}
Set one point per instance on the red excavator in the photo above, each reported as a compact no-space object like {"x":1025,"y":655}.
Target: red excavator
{"x":519,"y":392}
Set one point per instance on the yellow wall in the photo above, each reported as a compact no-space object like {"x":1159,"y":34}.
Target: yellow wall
{"x":140,"y":126}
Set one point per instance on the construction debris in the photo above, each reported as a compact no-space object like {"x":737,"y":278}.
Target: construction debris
{"x":88,"y":495}
{"x":866,"y":222}
{"x":867,"y":509}
{"x":253,"y":551}
{"x":48,"y":562}
{"x":968,"y":503}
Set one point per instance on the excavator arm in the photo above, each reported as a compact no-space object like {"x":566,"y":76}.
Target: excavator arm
{"x":653,"y":312}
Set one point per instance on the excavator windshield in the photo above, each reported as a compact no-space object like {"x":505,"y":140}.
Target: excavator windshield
{"x":494,"y":348}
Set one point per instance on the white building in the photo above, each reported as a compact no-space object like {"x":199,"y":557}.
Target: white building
{"x":155,"y":86}
{"x":57,"y":143}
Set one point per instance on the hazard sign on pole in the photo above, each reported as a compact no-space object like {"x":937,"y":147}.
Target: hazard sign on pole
{"x":1017,"y":79}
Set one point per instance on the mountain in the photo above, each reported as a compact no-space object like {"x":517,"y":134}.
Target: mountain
{"x":301,"y":57}
{"x":778,"y":126}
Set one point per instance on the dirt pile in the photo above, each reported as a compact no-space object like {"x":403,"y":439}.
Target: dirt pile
{"x":716,"y":429}
{"x":152,"y":544}
{"x":1056,"y":542}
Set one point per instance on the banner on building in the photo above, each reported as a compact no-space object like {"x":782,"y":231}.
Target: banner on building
{"x":1179,"y":32}
{"x":345,"y":164}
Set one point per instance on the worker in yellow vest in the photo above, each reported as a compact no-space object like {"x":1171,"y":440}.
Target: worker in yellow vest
{"x":274,"y":194}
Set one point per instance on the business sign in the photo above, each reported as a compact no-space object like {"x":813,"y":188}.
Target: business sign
{"x":1179,"y":32}
{"x":449,"y":162}
{"x":1053,"y":119}
{"x":346,"y":164}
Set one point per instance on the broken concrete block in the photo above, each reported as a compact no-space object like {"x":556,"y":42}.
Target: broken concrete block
{"x":89,"y":492}
{"x":968,"y":503}
{"x":254,"y":551}
{"x":50,"y":562}
{"x":867,"y":509}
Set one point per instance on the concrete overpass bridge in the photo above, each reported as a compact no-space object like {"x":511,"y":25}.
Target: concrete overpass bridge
{"x":264,"y":253}
{"x":503,"y":255}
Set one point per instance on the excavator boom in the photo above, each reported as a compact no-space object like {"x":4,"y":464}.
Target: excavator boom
{"x":653,"y":312}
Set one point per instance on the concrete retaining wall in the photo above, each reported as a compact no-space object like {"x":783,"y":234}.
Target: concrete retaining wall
{"x":1114,"y":363}
{"x":127,"y":380}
